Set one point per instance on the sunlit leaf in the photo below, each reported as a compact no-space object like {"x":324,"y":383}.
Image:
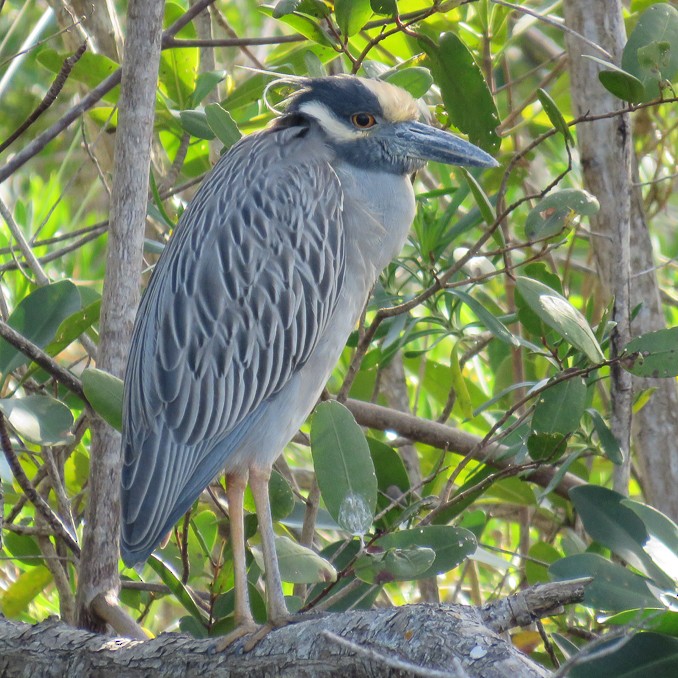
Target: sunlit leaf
{"x":451,"y":545}
{"x":651,"y":52}
{"x":380,"y":567}
{"x":222,"y":124}
{"x":19,"y":594}
{"x":38,"y":317}
{"x":179,"y":590}
{"x":416,"y":80}
{"x":464,"y":90}
{"x":104,"y":392}
{"x":343,"y":466}
{"x":654,"y":354}
{"x":557,"y":211}
{"x":352,"y":15}
{"x":559,"y":314}
{"x":560,"y":407}
{"x":298,"y":564}
{"x":613,"y":588}
{"x":553,"y":112}
{"x":39,"y":418}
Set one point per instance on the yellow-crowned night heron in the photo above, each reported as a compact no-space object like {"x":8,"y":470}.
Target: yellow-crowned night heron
{"x":254,"y":297}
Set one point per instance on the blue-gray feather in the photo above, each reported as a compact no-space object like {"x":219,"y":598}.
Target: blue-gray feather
{"x":234,"y":309}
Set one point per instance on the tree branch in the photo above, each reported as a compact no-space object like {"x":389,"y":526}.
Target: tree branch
{"x":442,"y":640}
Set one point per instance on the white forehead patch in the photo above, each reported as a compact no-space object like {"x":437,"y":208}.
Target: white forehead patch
{"x":334,"y":127}
{"x":397,"y":104}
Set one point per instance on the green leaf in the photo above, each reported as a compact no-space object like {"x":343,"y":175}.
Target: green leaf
{"x":38,"y":317}
{"x":560,"y":315}
{"x":546,"y":446}
{"x":459,"y":385}
{"x":179,"y":591}
{"x":206,"y":526}
{"x":451,"y":545}
{"x":464,"y":90}
{"x":416,"y":80}
{"x":222,"y":124}
{"x":560,"y":407}
{"x":613,"y":588}
{"x":491,"y":322}
{"x":616,"y":526}
{"x":651,"y":53}
{"x":393,"y":564}
{"x":19,"y":594}
{"x":178,"y":70}
{"x":195,"y":123}
{"x":316,"y":8}
{"x":73,"y":326}
{"x":623,"y":85}
{"x":205,"y":83}
{"x":654,"y":354}
{"x":483,"y":202}
{"x":343,"y":466}
{"x":352,"y":15}
{"x":305,"y":25}
{"x":607,"y":439}
{"x":618,"y":82}
{"x":91,"y":69}
{"x":104,"y":392}
{"x":655,"y":619}
{"x":392,"y":478}
{"x":557,"y":210}
{"x":23,"y":548}
{"x":644,"y":654}
{"x":554,"y":115}
{"x":298,"y":564}
{"x":662,"y":542}
{"x":384,"y":7}
{"x":537,"y":573}
{"x":39,"y":418}
{"x":280,"y":497}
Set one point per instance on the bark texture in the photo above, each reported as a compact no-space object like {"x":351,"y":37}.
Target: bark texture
{"x":415,"y":640}
{"x":99,"y":562}
{"x":622,"y":246}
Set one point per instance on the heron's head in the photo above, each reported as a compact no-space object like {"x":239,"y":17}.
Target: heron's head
{"x":373,"y":124}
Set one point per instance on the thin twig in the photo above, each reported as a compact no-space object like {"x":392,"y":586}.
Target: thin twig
{"x":33,"y":263}
{"x":38,"y":356}
{"x":105,"y":86}
{"x":552,"y":22}
{"x":29,"y":490}
{"x":49,"y":98}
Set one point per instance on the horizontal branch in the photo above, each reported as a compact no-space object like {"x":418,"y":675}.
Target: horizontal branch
{"x":453,"y":440}
{"x":445,"y":640}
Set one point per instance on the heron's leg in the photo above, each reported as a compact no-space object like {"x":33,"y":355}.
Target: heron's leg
{"x":235,"y":491}
{"x":276,"y":607}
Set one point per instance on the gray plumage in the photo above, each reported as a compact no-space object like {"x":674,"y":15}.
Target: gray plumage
{"x":251,"y":302}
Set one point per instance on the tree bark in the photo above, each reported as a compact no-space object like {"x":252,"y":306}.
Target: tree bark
{"x":622,"y":246}
{"x":433,"y":640}
{"x":605,"y":151}
{"x":100,"y":552}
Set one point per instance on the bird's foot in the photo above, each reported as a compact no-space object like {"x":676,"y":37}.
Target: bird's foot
{"x":240,"y":631}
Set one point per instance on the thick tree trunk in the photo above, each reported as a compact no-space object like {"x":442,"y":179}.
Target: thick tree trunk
{"x":451,"y":641}
{"x":622,"y":245}
{"x":99,"y":562}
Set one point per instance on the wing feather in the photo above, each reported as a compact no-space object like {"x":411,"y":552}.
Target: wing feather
{"x":234,"y":309}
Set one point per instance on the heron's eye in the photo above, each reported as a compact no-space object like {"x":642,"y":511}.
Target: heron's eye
{"x":363,"y":120}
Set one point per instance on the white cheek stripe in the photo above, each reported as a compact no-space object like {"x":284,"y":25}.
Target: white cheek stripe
{"x":329,"y":122}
